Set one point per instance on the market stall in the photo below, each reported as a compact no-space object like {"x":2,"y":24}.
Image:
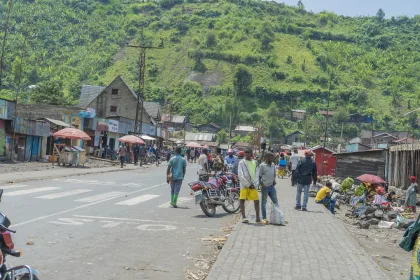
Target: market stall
{"x":67,"y":154}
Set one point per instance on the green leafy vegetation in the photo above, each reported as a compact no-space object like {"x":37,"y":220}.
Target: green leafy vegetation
{"x":347,"y":184}
{"x":254,"y":57}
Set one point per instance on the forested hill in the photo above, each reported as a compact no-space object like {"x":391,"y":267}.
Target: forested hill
{"x":258,"y":51}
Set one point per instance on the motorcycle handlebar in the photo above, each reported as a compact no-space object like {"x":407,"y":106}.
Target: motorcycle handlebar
{"x":3,"y":228}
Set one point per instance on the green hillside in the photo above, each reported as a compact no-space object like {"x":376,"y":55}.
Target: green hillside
{"x":259,"y":52}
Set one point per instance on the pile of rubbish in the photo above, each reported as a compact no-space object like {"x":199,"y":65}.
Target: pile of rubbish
{"x":388,"y":214}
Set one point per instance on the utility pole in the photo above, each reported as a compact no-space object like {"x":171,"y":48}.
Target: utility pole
{"x":3,"y":46}
{"x":16,"y":98}
{"x":142,"y":67}
{"x":326,"y":120}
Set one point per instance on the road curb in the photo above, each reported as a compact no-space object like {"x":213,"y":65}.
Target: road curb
{"x":97,"y":171}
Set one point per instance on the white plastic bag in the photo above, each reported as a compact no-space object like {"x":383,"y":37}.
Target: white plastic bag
{"x":276,"y":217}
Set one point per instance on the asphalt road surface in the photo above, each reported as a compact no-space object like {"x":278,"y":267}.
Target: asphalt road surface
{"x":108,"y":226}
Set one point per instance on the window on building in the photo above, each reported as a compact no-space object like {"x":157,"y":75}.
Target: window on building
{"x":115,"y":93}
{"x":114,"y":109}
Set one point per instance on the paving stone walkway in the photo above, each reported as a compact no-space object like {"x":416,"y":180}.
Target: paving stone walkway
{"x":314,"y":245}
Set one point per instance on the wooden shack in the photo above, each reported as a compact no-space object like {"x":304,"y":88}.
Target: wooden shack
{"x":358,"y":163}
{"x":403,"y":162}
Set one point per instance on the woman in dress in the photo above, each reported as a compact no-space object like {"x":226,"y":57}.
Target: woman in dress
{"x":411,"y":198}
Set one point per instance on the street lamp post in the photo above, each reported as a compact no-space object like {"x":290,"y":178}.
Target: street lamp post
{"x":142,"y":67}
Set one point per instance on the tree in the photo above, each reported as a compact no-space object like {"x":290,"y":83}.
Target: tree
{"x":380,"y":14}
{"x":211,"y":39}
{"x":242,"y":79}
{"x":266,"y":43}
{"x":274,"y":127}
{"x":222,"y":136}
{"x":300,"y":5}
{"x":341,"y":116}
{"x":49,"y":92}
{"x":289,"y":59}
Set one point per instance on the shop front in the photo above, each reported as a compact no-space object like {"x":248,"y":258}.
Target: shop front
{"x":27,"y":142}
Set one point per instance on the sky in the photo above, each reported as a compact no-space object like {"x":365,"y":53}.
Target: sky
{"x":361,"y":7}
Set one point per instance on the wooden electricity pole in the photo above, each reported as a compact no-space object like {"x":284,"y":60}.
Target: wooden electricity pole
{"x":142,"y":67}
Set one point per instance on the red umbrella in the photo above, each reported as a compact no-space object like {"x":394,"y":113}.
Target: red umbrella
{"x":369,"y":178}
{"x":72,"y":133}
{"x":131,"y":139}
{"x":193,"y":145}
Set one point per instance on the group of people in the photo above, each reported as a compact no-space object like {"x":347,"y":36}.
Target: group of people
{"x":135,"y":153}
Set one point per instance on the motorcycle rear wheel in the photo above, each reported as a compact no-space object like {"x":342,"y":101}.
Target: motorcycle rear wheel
{"x":234,"y":196}
{"x":209,"y":210}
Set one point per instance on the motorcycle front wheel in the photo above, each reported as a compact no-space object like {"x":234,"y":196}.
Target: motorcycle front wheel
{"x":209,"y":210}
{"x":230,"y":203}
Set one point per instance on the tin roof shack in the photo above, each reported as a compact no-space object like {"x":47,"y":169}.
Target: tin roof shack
{"x":403,"y":161}
{"x":326,"y":167}
{"x":358,"y":163}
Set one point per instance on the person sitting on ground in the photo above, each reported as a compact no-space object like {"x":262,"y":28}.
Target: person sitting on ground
{"x":324,"y":197}
{"x":411,"y":198}
{"x":390,"y":196}
{"x":378,"y":198}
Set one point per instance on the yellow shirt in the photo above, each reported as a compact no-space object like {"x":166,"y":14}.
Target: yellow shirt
{"x":322,"y":193}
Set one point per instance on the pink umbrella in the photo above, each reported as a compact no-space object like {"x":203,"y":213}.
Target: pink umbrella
{"x":193,"y":145}
{"x":369,"y":178}
{"x":131,"y":139}
{"x":72,"y":133}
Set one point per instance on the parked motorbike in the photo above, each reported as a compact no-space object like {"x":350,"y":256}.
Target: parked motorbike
{"x":21,"y":272}
{"x":220,"y":190}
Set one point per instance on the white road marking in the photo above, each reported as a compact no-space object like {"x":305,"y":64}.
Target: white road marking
{"x":156,"y":227}
{"x":122,"y":219}
{"x":133,"y":185}
{"x":81,"y":207}
{"x":15,"y":193}
{"x":101,"y":196}
{"x":110,"y":224}
{"x":71,"y":221}
{"x":180,"y":199}
{"x":12,"y":187}
{"x":138,"y":199}
{"x":64,"y":194}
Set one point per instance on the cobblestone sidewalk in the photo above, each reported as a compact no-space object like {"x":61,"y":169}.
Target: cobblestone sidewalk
{"x":314,"y":245}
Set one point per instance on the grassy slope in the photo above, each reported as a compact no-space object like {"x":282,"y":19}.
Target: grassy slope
{"x":88,"y":52}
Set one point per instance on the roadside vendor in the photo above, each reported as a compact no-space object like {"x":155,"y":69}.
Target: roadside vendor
{"x":411,"y":198}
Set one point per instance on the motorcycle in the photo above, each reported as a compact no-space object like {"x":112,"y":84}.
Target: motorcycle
{"x":220,"y":190}
{"x":21,"y":272}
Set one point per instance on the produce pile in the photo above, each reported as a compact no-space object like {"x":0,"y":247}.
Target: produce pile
{"x":366,"y":214}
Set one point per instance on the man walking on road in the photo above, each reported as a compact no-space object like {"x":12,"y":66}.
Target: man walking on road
{"x":203,"y":166}
{"x":294,"y":160}
{"x":122,"y":152}
{"x":247,"y":173}
{"x":175,"y":174}
{"x":267,"y":178}
{"x":306,"y":173}
{"x":142,"y":153}
{"x":192,"y":155}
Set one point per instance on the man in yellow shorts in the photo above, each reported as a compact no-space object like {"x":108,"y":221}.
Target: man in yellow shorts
{"x":248,"y":179}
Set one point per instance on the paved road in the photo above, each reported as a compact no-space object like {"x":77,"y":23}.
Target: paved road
{"x":107,"y":226}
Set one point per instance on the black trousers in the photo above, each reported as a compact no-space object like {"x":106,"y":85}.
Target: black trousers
{"x":136,"y":159}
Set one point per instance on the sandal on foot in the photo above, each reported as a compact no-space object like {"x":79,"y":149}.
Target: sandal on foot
{"x":245,"y":221}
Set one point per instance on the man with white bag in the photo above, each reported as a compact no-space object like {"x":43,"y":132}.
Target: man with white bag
{"x":267,"y":177}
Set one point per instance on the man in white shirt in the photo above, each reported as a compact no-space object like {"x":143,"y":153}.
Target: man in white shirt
{"x":203,"y":166}
{"x":294,"y":159}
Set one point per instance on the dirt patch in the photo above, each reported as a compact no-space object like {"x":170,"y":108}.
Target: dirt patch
{"x":13,"y":167}
{"x":200,"y":266}
{"x":380,"y":244}
{"x":207,"y":79}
